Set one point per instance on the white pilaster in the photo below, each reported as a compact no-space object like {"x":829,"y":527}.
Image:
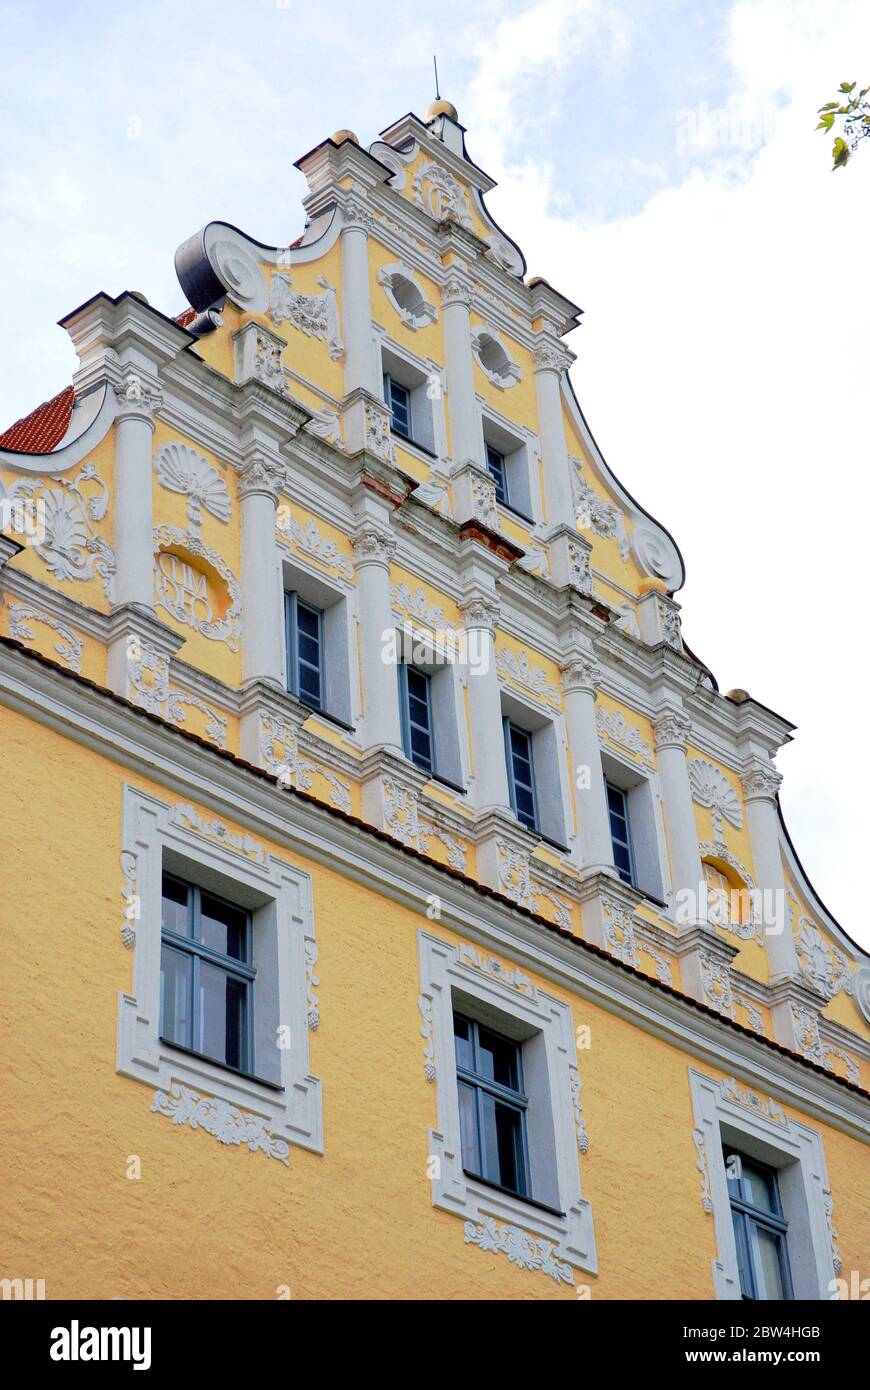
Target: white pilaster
{"x":360,"y":373}
{"x":551,"y":360}
{"x":259,"y":479}
{"x":479,"y":616}
{"x":373,"y":550}
{"x":580,"y":674}
{"x":761,"y":783}
{"x":465,"y":432}
{"x":138,"y":400}
{"x":672,"y":728}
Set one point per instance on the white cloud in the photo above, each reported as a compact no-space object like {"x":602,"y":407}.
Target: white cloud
{"x":723,"y":367}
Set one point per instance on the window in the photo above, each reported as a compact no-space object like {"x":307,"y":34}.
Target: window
{"x":495,"y":462}
{"x":521,"y":774}
{"x":620,"y":833}
{"x":509,"y":1129}
{"x":398,"y":398}
{"x":759,"y":1228}
{"x":304,"y":633}
{"x":206,"y":975}
{"x":492,"y":1106}
{"x":415,"y":695}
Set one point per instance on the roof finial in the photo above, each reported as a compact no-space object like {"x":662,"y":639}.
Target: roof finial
{"x":439,"y":107}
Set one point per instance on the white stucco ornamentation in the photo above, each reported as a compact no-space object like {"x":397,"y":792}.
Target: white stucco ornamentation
{"x":71,"y":547}
{"x":711,"y":789}
{"x":483,"y":505}
{"x":378,"y":438}
{"x":738,"y":1094}
{"x":619,"y":933}
{"x":149,"y":688}
{"x":513,"y":873}
{"x":424,"y":1003}
{"x":509,"y":975}
{"x":457,"y":852}
{"x":703,"y":1169}
{"x":186,"y":817}
{"x":822,"y":964}
{"x":315,"y":315}
{"x":305,"y":538}
{"x":716,"y":984}
{"x":615,"y":726}
{"x":406,"y":297}
{"x":593,"y":514}
{"x":217,"y":1117}
{"x":521,"y":1249}
{"x":400,"y":812}
{"x":183,"y":590}
{"x":493,"y":358}
{"x":416,"y":605}
{"x":517,"y":668}
{"x":132,"y":907}
{"x":181,"y":469}
{"x":312,"y":979}
{"x":437,"y":192}
{"x":69,"y":648}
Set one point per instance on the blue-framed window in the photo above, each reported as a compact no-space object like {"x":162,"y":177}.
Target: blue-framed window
{"x":303,"y":627}
{"x":398,"y":398}
{"x":620,"y":833}
{"x":415,"y":700}
{"x":760,"y":1229}
{"x":492,"y":1106}
{"x":521,"y":774}
{"x":206,"y":975}
{"x":495,"y":462}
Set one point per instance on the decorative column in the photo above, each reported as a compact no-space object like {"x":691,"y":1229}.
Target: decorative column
{"x":136,"y":639}
{"x":794,"y":1004}
{"x":479,"y":617}
{"x":373,"y":550}
{"x":361,"y":384}
{"x":580,"y":675}
{"x":672,"y":728}
{"x":138,"y":400}
{"x":260,"y":580}
{"x":552,"y":358}
{"x":465,"y":432}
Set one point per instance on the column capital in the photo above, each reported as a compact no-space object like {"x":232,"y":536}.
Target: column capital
{"x":672,"y":729}
{"x":260,"y":475}
{"x":761,"y":782}
{"x":457,"y":289}
{"x":356,"y":216}
{"x":581,"y":671}
{"x":373,"y":546}
{"x":138,"y":398}
{"x":551,"y":355}
{"x":480,"y":611}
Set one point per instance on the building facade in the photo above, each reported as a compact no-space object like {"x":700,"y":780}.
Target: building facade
{"x":393,"y":905}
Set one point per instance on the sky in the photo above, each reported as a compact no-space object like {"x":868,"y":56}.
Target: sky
{"x":656,"y":161}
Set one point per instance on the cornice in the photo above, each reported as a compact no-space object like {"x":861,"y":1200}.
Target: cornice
{"x":144,"y":743}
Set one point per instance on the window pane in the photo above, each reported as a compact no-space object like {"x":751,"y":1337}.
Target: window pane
{"x":222,"y":1016}
{"x":176,"y":914}
{"x":498,"y":1058}
{"x":757,"y":1187}
{"x":175,"y":969}
{"x":739,"y":1222}
{"x":223,"y":928}
{"x":462,"y":1042}
{"x":766,"y":1262}
{"x":308,"y":620}
{"x":621,"y":857}
{"x":501,"y":1143}
{"x":468,"y":1128}
{"x":615,"y":799}
{"x":309,"y":650}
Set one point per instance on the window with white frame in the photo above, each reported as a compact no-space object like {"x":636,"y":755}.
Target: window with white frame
{"x":429,"y":707}
{"x":317,"y":643}
{"x":505,"y":1153}
{"x":634,"y":828}
{"x":223,"y":952}
{"x":764,"y":1182}
{"x":407,"y":396}
{"x":507,"y":461}
{"x":534,"y":769}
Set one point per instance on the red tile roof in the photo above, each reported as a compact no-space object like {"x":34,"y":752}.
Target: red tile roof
{"x":185,"y":317}
{"x":44,"y":428}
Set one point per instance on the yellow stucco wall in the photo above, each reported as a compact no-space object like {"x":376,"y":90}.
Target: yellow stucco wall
{"x":212,"y":1221}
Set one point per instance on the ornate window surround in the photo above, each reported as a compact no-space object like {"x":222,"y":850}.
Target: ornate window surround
{"x":553,"y":1242}
{"x":729,"y":1111}
{"x":280,"y":897}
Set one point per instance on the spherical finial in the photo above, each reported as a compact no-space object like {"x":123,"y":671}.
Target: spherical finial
{"x":341,"y":135}
{"x":441,"y":108}
{"x":137,"y":294}
{"x":738,"y":696}
{"x":537,"y":280}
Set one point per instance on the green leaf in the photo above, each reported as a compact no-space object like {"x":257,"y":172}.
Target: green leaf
{"x":825,"y":123}
{"x":840,"y":153}
{"x":829,"y":106}
{"x":846,"y":86}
